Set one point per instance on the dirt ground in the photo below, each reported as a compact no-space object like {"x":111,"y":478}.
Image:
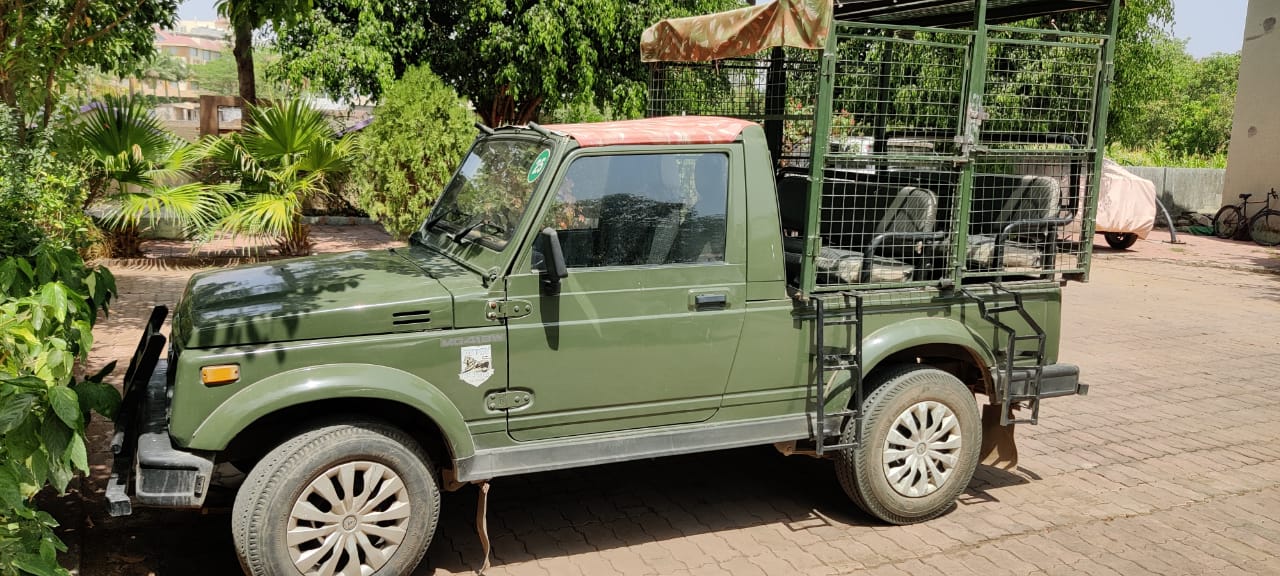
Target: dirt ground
{"x":1171,"y":465}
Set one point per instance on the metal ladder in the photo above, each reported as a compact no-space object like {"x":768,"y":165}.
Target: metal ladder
{"x":1028,"y":365}
{"x":850,"y":315}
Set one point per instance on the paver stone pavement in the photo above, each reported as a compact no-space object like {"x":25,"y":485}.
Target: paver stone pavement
{"x":1171,"y":465}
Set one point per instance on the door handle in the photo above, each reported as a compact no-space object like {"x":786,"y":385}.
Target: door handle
{"x":710,"y":301}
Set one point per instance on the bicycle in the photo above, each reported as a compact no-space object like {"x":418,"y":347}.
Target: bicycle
{"x":1263,"y":227}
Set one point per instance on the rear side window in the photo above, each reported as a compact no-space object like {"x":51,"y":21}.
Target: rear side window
{"x":642,"y":210}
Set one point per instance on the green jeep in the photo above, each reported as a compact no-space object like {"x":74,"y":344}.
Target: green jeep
{"x":834,"y":247}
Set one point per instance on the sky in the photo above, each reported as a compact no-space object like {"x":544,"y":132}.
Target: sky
{"x":1208,"y":25}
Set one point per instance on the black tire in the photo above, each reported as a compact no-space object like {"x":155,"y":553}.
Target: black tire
{"x":1227,"y":222}
{"x":862,"y":471}
{"x":1120,"y":240}
{"x":1265,"y":228}
{"x":264,"y":506}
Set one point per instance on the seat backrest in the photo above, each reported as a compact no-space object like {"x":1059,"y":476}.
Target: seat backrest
{"x":912,"y":210}
{"x":999,"y":200}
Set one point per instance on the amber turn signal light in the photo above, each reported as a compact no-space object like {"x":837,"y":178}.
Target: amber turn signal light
{"x":219,"y":375}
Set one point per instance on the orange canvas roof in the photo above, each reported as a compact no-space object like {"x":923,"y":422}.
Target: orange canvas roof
{"x":665,"y":130}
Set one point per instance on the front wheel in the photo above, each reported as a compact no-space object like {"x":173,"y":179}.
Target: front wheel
{"x":349,"y":499}
{"x":1226,"y":223}
{"x":1265,"y":228}
{"x":921,"y":437}
{"x":1119,"y":240}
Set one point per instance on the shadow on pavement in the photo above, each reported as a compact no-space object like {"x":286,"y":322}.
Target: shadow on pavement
{"x":545,"y":515}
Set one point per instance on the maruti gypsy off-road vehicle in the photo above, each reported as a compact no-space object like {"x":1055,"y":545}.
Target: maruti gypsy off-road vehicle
{"x":841,"y":227}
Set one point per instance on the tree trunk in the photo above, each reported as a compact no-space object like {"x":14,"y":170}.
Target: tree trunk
{"x":243,"y":52}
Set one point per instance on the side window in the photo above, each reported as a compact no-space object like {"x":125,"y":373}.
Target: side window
{"x":642,"y":209}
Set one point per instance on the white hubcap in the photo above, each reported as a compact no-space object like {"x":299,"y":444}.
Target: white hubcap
{"x":922,"y":449}
{"x":349,"y":521}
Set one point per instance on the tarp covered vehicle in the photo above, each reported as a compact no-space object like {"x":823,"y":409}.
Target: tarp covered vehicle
{"x":1126,"y":206}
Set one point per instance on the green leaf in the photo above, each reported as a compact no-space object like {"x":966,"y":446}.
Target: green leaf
{"x":56,"y":436}
{"x":24,"y":440}
{"x":14,"y":410}
{"x":67,"y":406}
{"x":34,"y":564}
{"x":59,"y":474}
{"x":40,"y":467}
{"x":99,"y":397}
{"x":10,"y":490}
{"x":29,"y":382}
{"x":77,"y":454}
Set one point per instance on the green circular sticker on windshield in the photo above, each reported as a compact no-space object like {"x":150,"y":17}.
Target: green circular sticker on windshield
{"x":539,"y":164}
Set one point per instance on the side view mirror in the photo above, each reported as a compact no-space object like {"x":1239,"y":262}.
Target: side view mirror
{"x":553,"y":268}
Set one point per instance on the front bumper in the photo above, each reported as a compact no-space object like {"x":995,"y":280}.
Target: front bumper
{"x":146,"y":461}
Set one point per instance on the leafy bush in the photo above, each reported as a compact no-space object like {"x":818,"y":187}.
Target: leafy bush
{"x":419,"y":133}
{"x":1159,"y":155}
{"x":48,"y":303}
{"x":42,"y":193}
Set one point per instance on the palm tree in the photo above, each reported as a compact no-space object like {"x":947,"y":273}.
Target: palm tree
{"x":285,"y":155}
{"x":138,"y":169}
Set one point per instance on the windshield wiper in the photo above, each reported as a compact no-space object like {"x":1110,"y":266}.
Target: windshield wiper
{"x":462,"y":235}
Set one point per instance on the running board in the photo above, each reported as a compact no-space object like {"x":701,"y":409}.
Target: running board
{"x":581,"y":451}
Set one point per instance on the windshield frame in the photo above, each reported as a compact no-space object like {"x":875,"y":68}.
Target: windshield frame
{"x":483,"y":252}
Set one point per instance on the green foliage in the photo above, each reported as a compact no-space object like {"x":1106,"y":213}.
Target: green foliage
{"x":139,"y":171}
{"x":1159,"y":155}
{"x":285,"y":155}
{"x":48,"y":303}
{"x":419,"y":133}
{"x":247,"y":16}
{"x":47,"y":42}
{"x":42,"y":193}
{"x":218,"y":76}
{"x":509,"y":57}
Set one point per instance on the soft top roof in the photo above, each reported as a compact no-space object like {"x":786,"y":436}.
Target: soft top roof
{"x":662,"y":130}
{"x":806,"y":23}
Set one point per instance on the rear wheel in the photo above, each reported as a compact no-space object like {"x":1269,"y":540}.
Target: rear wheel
{"x":351,"y":499}
{"x":921,"y":437}
{"x":1265,"y":228}
{"x":1226,"y":223}
{"x":1120,"y":240}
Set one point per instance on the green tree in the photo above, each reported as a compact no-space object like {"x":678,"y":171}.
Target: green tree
{"x":285,"y":155}
{"x":219,"y":75}
{"x":246,"y":16}
{"x":509,"y":57}
{"x":46,"y":42}
{"x":420,"y":131}
{"x":1141,"y":58}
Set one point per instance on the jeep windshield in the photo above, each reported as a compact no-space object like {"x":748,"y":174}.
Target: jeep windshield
{"x":488,"y":195}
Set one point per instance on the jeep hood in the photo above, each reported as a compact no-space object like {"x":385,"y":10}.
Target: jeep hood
{"x":348,"y":294}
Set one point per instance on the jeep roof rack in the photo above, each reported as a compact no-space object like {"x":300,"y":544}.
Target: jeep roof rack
{"x":953,"y":12}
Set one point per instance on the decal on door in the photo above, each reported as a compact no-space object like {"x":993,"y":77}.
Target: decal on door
{"x":477,"y":364}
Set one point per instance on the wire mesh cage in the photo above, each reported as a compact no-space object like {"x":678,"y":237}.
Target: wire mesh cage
{"x":930,"y":155}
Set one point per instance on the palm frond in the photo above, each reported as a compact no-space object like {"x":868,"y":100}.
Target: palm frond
{"x":194,"y":207}
{"x":264,"y":214}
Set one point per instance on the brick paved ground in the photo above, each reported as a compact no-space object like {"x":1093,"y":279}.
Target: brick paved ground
{"x":1170,"y":466}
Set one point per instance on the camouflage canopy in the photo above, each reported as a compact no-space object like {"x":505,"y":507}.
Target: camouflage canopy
{"x":741,"y":32}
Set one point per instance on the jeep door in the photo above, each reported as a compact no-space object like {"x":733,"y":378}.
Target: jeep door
{"x":643,"y":330}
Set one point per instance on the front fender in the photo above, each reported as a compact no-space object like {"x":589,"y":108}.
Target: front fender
{"x":907,"y":334}
{"x":327,"y":382}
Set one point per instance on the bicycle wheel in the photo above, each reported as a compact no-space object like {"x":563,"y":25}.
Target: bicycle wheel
{"x":1265,"y":228}
{"x":1226,"y":223}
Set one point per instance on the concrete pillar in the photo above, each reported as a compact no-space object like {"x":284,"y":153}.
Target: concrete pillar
{"x":1253,"y":162}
